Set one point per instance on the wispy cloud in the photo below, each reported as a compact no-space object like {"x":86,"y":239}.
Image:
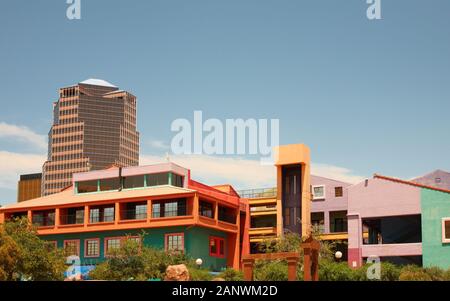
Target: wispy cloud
{"x":243,"y":173}
{"x":335,"y":172}
{"x":15,"y":164}
{"x":158,"y":145}
{"x":23,"y":134}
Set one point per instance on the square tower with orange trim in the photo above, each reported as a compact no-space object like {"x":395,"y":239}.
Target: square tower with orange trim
{"x":293,"y":189}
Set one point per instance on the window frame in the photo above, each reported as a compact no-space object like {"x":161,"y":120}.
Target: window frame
{"x":166,"y":241}
{"x":105,"y":244}
{"x":78,"y":246}
{"x":217,"y":240}
{"x":86,"y":255}
{"x":314,"y":197}
{"x":444,"y":239}
{"x":336,"y":189}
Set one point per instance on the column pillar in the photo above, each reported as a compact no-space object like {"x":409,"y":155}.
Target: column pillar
{"x":292,"y":269}
{"x":248,"y":269}
{"x":86,"y":215}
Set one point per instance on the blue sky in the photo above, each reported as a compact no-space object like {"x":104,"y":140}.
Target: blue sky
{"x":366,"y":96}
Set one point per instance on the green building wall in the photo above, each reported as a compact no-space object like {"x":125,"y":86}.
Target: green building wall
{"x":196,"y":243}
{"x":435,"y":206}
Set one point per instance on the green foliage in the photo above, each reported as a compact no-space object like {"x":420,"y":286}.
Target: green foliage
{"x":134,"y":262}
{"x":414,"y":273}
{"x":197,"y":274}
{"x":335,"y":271}
{"x":275,"y":270}
{"x":231,"y":275}
{"x":23,"y":255}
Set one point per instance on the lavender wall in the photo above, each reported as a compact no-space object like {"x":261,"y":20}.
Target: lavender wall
{"x":331,"y":202}
{"x":379,"y":198}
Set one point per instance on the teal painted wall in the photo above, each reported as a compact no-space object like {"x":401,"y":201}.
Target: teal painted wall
{"x":196,"y":242}
{"x":435,"y":206}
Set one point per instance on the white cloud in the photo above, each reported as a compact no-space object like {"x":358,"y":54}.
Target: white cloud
{"x":23,"y":134}
{"x":158,"y":145}
{"x":335,"y":172}
{"x":243,"y":173}
{"x":15,"y":164}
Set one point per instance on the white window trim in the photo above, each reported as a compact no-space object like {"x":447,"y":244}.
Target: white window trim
{"x":445,"y":240}
{"x":324,"y":192}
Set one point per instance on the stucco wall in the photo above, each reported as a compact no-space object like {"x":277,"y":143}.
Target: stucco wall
{"x":377,"y":198}
{"x":331,"y":202}
{"x":196,"y":242}
{"x":435,"y":206}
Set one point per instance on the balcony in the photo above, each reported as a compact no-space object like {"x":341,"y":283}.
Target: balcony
{"x":170,"y":208}
{"x":71,"y":216}
{"x":43,"y":218}
{"x":258,"y":193}
{"x":103,"y":214}
{"x":71,"y":219}
{"x":133,"y":211}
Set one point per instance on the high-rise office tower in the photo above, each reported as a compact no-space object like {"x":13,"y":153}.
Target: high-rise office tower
{"x":94,"y":127}
{"x":29,"y":187}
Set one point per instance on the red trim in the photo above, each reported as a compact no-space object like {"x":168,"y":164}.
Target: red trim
{"x":86,"y":248}
{"x":73,"y":240}
{"x":105,"y":244}
{"x":376,"y":176}
{"x":217,"y":241}
{"x":166,"y":240}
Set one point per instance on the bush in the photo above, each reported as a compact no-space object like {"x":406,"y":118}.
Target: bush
{"x":231,"y":275}
{"x":270,"y":270}
{"x":414,"y":273}
{"x":134,"y":262}
{"x":197,"y":274}
{"x":335,"y":271}
{"x":23,"y":255}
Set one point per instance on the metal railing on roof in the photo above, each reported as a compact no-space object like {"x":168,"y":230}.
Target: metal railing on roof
{"x":258,"y":193}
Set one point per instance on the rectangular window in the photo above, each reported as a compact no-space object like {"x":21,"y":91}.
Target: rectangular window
{"x":112,"y":244}
{"x":87,"y":186}
{"x":169,"y":208}
{"x":177,"y":180}
{"x":101,"y":215}
{"x":109,"y":184}
{"x":72,"y":247}
{"x":446,"y":230}
{"x":158,"y":179}
{"x":206,"y":209}
{"x":156,"y":210}
{"x":338,"y":192}
{"x":134,"y":182}
{"x":92,"y":247}
{"x":216,"y":247}
{"x":94,"y":216}
{"x":318,"y":192}
{"x":175,"y":242}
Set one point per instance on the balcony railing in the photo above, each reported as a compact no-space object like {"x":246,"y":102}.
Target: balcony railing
{"x":263,"y":208}
{"x":228,"y":218}
{"x":71,"y":219}
{"x":258,"y":193}
{"x":43,"y":221}
{"x":133,"y":215}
